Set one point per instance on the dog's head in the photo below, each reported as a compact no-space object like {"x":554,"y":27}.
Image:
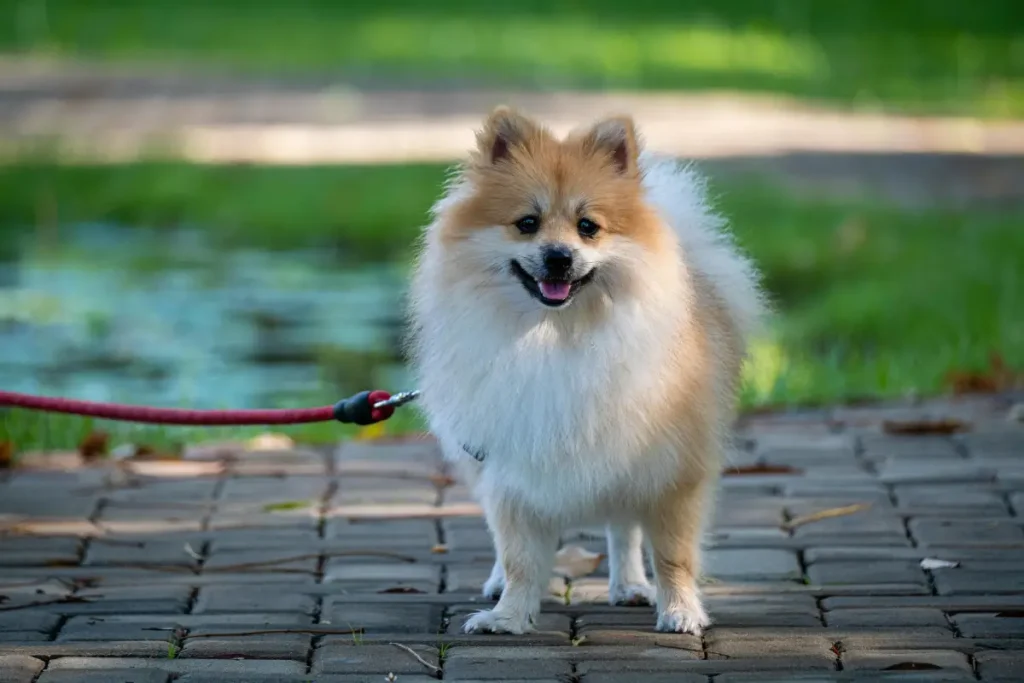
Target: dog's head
{"x":547,"y":219}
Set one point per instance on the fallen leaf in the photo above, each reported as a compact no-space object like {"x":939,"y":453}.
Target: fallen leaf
{"x":971,"y":383}
{"x":442,"y":481}
{"x":61,"y":563}
{"x":573,"y":561}
{"x":758,"y":468}
{"x":439,"y":549}
{"x":6,"y":455}
{"x":370,"y":432}
{"x":50,"y":460}
{"x":912,"y":666}
{"x":998,"y":377}
{"x":935,"y":563}
{"x":825,"y":514}
{"x":925,"y":426}
{"x":162,"y":456}
{"x":285,"y":506}
{"x":270,"y":441}
{"x":94,"y":445}
{"x":401,"y":589}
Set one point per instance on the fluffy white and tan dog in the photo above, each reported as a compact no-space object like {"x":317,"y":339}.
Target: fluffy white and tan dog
{"x":579,"y":322}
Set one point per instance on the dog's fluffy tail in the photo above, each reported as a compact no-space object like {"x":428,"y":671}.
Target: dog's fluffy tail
{"x":678,"y":192}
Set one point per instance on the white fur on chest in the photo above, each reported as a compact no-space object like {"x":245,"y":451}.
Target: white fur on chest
{"x":561,"y":421}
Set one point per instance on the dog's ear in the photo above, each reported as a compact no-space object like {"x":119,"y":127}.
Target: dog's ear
{"x":617,"y":138}
{"x":504,"y":129}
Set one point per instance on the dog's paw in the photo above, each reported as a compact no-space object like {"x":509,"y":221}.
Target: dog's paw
{"x":631,"y":594}
{"x":493,"y":621}
{"x":494,"y":587}
{"x":683,"y":620}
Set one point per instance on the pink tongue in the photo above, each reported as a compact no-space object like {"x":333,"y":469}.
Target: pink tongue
{"x":556,"y":291}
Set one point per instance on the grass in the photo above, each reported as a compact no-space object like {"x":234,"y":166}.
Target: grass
{"x":873,"y":301}
{"x":931,"y":55}
{"x":370,"y":211}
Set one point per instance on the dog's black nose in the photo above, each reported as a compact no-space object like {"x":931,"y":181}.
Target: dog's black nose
{"x":558,"y":260}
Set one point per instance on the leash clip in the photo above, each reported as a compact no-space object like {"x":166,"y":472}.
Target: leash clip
{"x":399,"y":399}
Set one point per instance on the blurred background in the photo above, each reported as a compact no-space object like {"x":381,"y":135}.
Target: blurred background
{"x":213,"y":203}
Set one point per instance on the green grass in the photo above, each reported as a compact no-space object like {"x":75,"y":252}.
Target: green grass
{"x":944,"y":55}
{"x":371,"y":211}
{"x":873,"y":301}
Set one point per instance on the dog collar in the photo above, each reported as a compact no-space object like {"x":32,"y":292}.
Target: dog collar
{"x":477,"y":453}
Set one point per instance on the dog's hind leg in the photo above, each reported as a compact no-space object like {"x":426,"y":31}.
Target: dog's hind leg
{"x":627,"y":583}
{"x":674,"y":528}
{"x":495,"y":584}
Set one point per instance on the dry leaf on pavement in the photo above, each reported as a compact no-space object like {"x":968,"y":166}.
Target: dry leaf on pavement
{"x":924,"y":426}
{"x":94,"y":445}
{"x":573,"y":561}
{"x":370,"y":432}
{"x":998,"y":377}
{"x":270,"y":441}
{"x":286,"y":506}
{"x":148,"y":453}
{"x":758,"y":468}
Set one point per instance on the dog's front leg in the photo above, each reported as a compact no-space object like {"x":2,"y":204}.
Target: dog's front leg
{"x":526,"y":549}
{"x":673,"y":530}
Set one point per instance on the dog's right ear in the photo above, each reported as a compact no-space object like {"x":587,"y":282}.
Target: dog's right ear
{"x":503,"y":130}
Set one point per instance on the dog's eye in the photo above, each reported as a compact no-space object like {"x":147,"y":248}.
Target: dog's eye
{"x":528,"y":225}
{"x":587,"y":227}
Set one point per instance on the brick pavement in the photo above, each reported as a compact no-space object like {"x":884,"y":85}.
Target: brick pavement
{"x":234,"y":568}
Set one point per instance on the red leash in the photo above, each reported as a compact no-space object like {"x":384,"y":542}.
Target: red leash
{"x":364,"y":408}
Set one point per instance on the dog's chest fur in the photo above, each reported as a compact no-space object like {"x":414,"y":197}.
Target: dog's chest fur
{"x":560,"y":419}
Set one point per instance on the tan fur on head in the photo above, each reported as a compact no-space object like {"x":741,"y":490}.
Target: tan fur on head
{"x":520,"y":168}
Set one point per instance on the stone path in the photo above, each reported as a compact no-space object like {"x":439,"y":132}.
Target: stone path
{"x":113,"y":114}
{"x":233,"y":568}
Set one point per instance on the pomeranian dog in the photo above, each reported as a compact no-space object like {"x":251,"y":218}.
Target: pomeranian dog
{"x":578,"y":322}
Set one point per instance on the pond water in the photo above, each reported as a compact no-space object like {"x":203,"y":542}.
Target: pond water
{"x":165,"y":318}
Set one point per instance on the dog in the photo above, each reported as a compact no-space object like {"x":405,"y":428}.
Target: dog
{"x":579,"y":319}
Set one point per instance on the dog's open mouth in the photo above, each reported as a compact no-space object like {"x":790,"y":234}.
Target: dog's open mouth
{"x":551,"y":293}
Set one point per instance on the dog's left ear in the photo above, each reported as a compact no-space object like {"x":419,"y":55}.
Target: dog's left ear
{"x":617,"y":138}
